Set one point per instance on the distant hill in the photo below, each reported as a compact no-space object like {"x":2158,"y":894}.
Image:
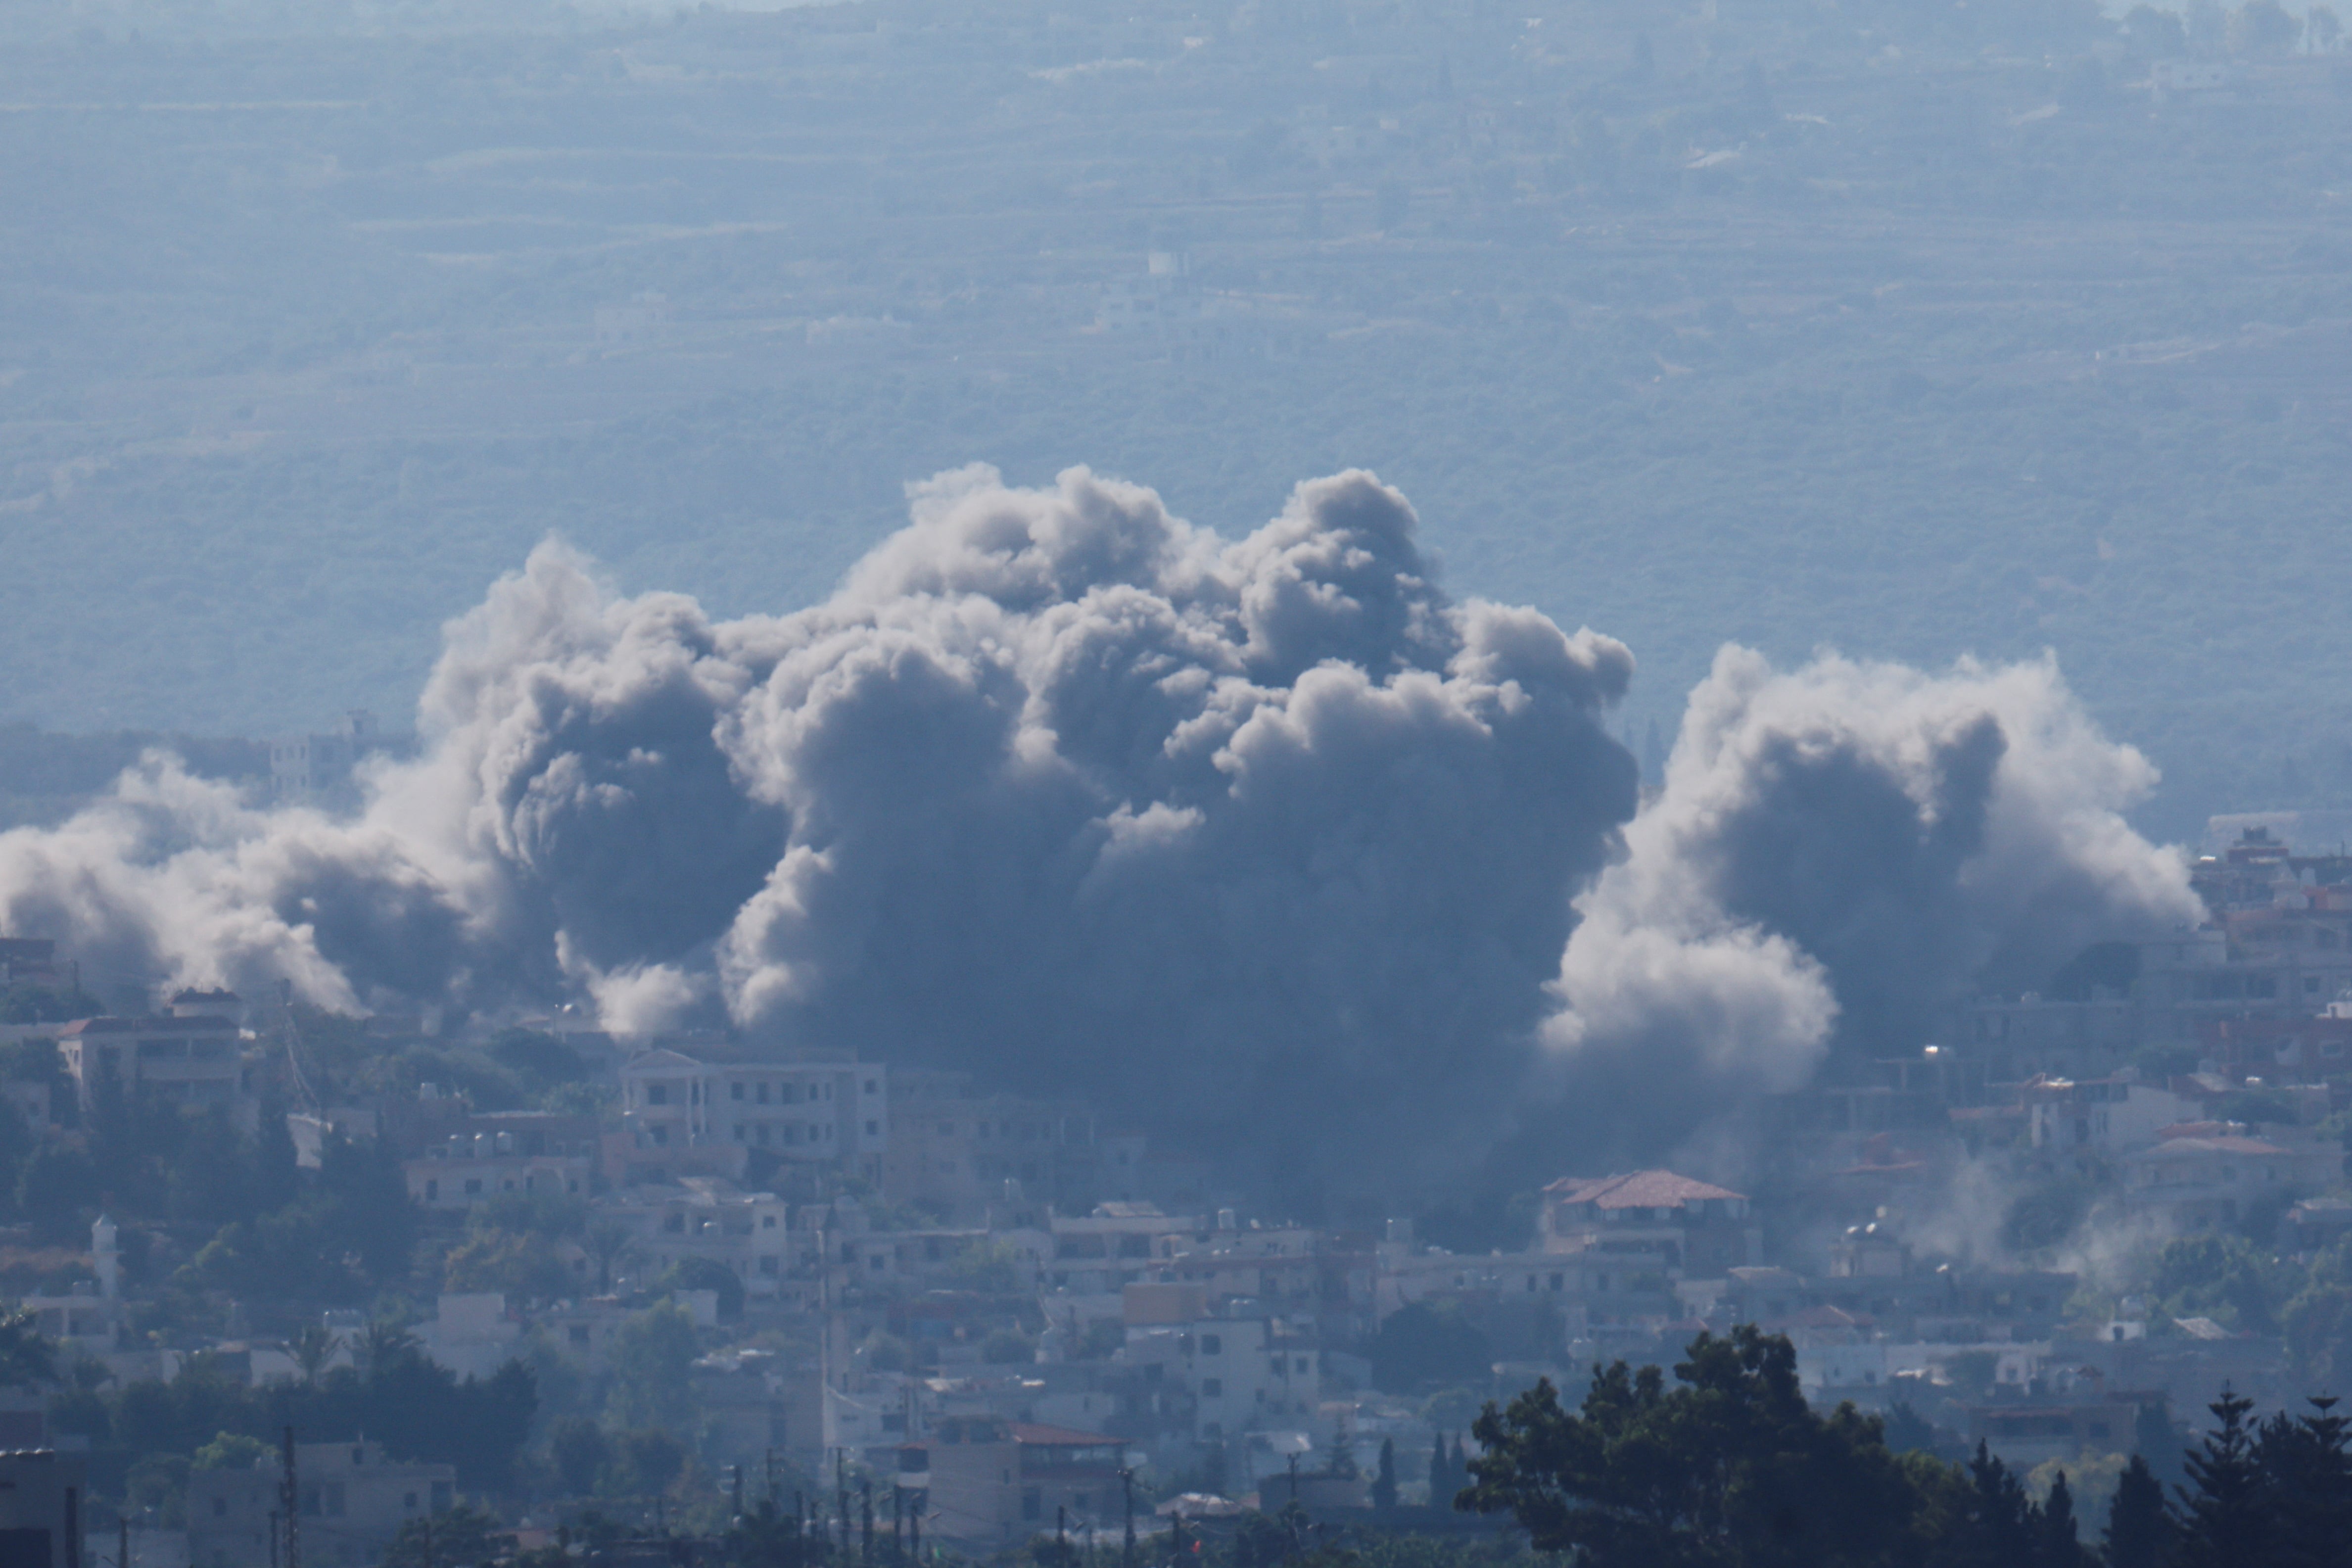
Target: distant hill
{"x":1911,"y":334}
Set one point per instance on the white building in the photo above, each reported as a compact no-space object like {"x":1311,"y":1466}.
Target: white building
{"x":816,"y":1112}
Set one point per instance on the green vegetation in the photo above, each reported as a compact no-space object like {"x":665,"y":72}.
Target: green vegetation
{"x":1731,"y":1468}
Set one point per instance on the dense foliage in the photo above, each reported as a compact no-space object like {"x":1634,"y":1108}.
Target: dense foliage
{"x":1731,"y":1468}
{"x":417,"y":1409}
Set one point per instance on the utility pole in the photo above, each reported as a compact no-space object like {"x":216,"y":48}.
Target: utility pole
{"x":840,"y":1493}
{"x":1126,"y":1485}
{"x":865,"y":1518}
{"x":123,"y":1542}
{"x":1062,"y":1533}
{"x":771,"y":1478}
{"x":898,"y":1522}
{"x":289,"y":1499}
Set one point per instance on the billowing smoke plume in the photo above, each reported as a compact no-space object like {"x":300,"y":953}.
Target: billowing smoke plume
{"x":1262,"y":841}
{"x":1266,"y":845}
{"x":1836,"y":853}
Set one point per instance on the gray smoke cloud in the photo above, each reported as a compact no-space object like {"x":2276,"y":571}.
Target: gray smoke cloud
{"x":1835,"y":853}
{"x":1266,"y":845}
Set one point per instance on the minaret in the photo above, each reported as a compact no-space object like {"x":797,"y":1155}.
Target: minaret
{"x":109,"y":1260}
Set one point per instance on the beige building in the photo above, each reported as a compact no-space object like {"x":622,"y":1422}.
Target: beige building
{"x":196,"y":1060}
{"x":801,"y":1112}
{"x":986,"y":1483}
{"x":353,"y":1501}
{"x":1651,"y":1222}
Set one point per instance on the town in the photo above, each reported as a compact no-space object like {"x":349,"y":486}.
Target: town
{"x":531,"y":1268}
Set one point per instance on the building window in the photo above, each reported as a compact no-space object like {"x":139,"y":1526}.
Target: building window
{"x":873,"y":1128}
{"x":473,"y":1186}
{"x":735,"y":1091}
{"x":656,"y":1094}
{"x":764,"y":1094}
{"x":1211,"y":1345}
{"x":1212,"y":1387}
{"x":432,"y":1192}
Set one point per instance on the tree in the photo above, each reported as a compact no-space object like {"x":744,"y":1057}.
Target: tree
{"x":1442,"y":1481}
{"x":1996,"y":1524}
{"x":2224,"y":1522}
{"x":653,"y":1356}
{"x":231,"y":1451}
{"x":456,"y":1538}
{"x":56,"y":1184}
{"x":1339,"y":1460}
{"x":521,"y":1266}
{"x":2059,"y":1544}
{"x":1384,"y":1479}
{"x":372,"y":1216}
{"x":2140,"y":1527}
{"x":607,"y":1241}
{"x":707,"y":1274}
{"x":651,"y":1459}
{"x":313,"y":1348}
{"x":2309,"y":1478}
{"x":1419,"y":1346}
{"x":577,"y":1446}
{"x":26,"y":1359}
{"x":1731,"y":1468}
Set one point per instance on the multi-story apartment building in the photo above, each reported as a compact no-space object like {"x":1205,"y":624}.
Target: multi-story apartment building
{"x":1653,"y":1220}
{"x":798,"y":1112}
{"x":196,"y":1060}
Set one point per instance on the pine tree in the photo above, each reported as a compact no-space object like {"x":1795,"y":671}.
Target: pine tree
{"x":2000,"y":1525}
{"x":2224,"y":1520}
{"x":1441,"y":1483}
{"x":1384,"y":1487}
{"x":2061,"y":1546}
{"x":2309,"y":1471}
{"x":2139,"y":1527}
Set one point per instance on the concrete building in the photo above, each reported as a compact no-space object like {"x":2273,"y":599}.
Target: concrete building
{"x":709,"y":1217}
{"x":804,"y":1112}
{"x":306,"y":769}
{"x":984,"y":1483}
{"x":41,"y":1498}
{"x":2109,"y":1113}
{"x":2201,"y":1182}
{"x":196,"y":1062}
{"x":1239,"y":1375}
{"x":469,"y":1168}
{"x":352,"y":1502}
{"x":1650,"y":1220}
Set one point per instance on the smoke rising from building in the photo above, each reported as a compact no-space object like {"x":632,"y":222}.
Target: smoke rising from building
{"x":1268,"y":846}
{"x":1836,"y":852}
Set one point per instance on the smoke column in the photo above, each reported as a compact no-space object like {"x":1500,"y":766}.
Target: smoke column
{"x":1267,"y":845}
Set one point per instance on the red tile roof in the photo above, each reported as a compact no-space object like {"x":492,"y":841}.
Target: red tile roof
{"x":1638,"y":1190}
